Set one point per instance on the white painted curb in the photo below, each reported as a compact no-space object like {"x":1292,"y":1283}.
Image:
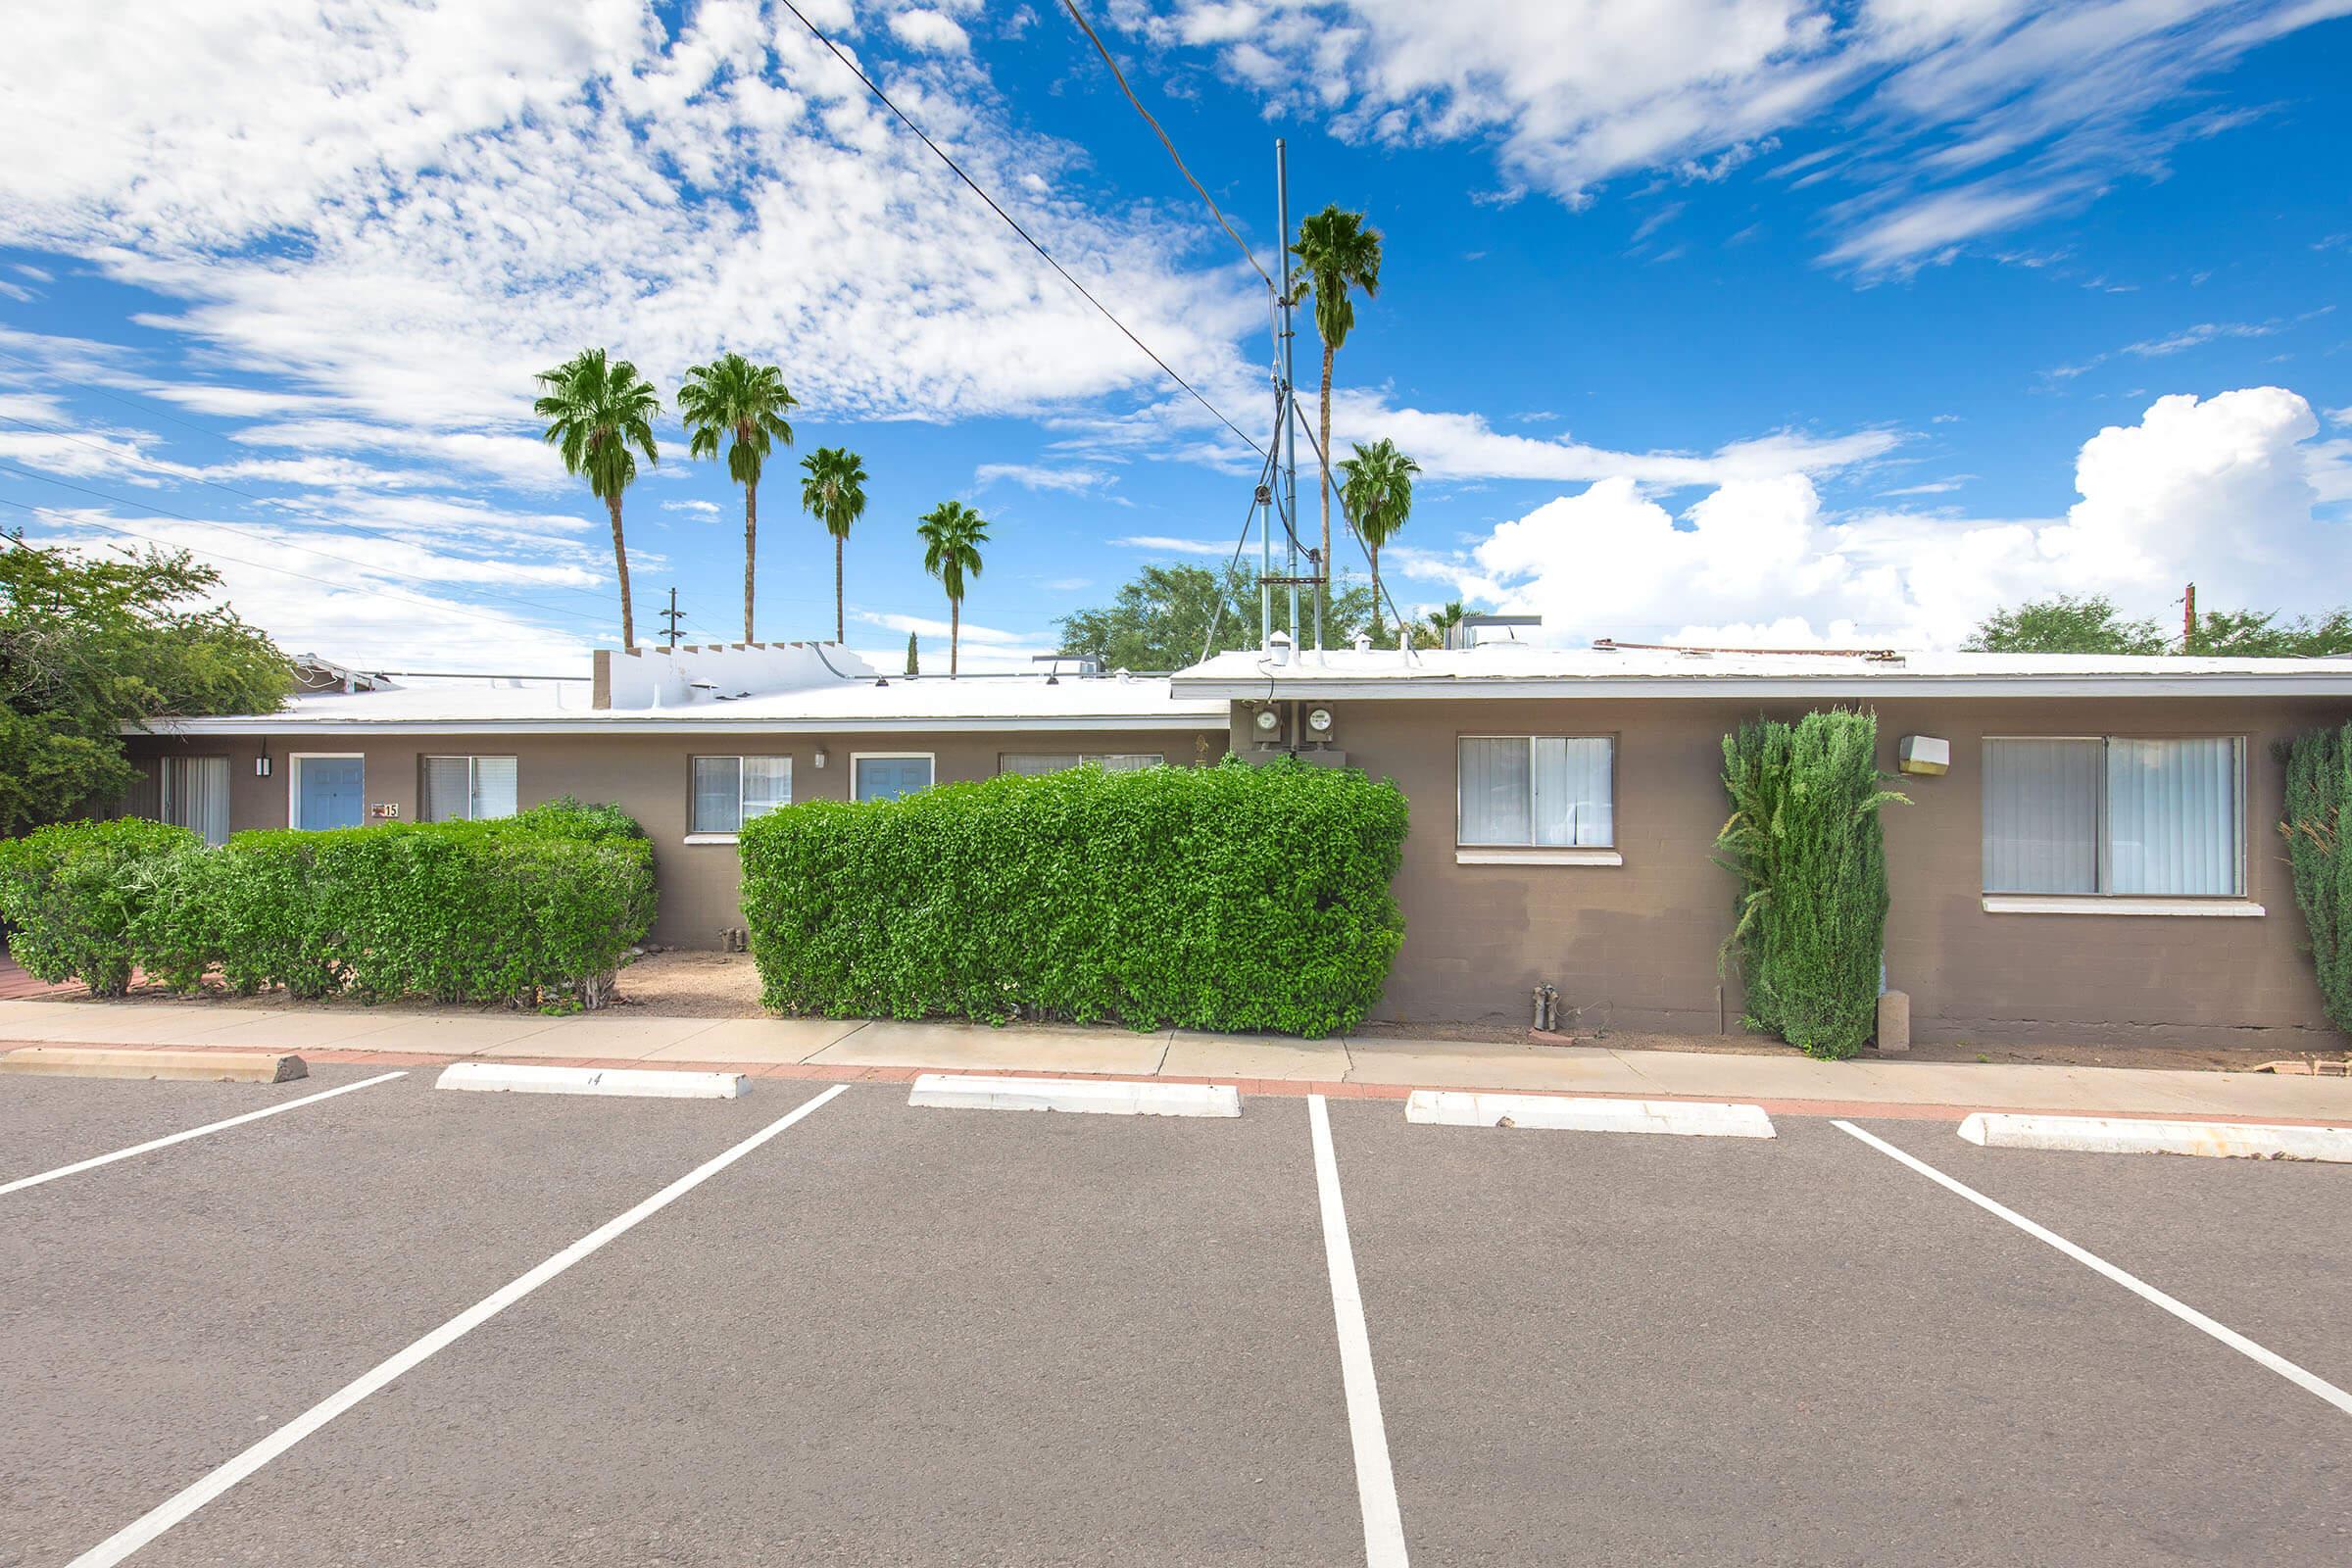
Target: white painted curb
{"x":642,"y":1082}
{"x":971,"y":1092}
{"x":1454,"y":1108}
{"x":2110,"y":1135}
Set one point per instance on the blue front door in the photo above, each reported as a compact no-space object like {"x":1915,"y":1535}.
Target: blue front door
{"x":331,"y":791}
{"x":886,"y":778}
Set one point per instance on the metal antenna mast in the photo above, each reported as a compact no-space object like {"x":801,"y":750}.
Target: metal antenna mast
{"x":1287,"y":482}
{"x":671,"y":616}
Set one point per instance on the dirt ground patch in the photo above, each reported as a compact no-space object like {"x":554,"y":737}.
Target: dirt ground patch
{"x":726,"y":985}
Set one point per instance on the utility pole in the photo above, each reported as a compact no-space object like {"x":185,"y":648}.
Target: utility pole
{"x":2189,"y":617}
{"x":671,"y":616}
{"x":1287,"y":481}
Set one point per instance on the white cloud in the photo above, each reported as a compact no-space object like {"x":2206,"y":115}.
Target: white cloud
{"x":1161,"y":544}
{"x":1031,"y":476}
{"x":1925,"y":95}
{"x":928,"y":30}
{"x":700,"y":509}
{"x":2197,"y":336}
{"x":2229,"y":492}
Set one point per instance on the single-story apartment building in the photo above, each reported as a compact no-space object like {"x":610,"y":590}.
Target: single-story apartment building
{"x":2097,"y":861}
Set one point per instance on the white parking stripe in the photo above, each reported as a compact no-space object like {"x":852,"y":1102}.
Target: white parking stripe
{"x":1375,"y":1482}
{"x":151,"y":1144}
{"x":2186,"y":1314}
{"x":173,"y":1510}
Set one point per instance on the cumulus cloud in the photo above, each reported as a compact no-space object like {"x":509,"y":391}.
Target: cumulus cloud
{"x":2229,"y":491}
{"x":928,"y":30}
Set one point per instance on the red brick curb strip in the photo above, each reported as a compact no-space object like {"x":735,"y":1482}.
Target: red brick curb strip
{"x":1296,"y":1088}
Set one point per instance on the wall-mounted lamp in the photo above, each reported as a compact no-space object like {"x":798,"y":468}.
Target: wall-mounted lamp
{"x":261,"y":765}
{"x":1923,"y":754}
{"x":820,"y":757}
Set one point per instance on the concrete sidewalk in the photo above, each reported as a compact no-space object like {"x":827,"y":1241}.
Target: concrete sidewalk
{"x":851,"y":1049}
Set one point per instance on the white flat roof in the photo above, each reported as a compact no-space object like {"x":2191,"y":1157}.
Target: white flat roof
{"x":929,"y":703}
{"x":1522,"y":670}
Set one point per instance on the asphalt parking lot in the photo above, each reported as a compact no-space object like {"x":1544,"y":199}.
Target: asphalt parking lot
{"x":888,"y":1335}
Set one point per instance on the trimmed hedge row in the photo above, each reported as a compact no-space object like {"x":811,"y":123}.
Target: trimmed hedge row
{"x":1805,"y":839}
{"x":551,"y":899}
{"x":1230,"y":898}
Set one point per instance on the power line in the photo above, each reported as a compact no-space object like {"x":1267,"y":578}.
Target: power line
{"x":1120,"y":76}
{"x":1014,"y":225}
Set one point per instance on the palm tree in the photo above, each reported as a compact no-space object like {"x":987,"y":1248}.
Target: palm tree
{"x":1376,"y":490}
{"x":953,"y":534}
{"x":1336,"y":253}
{"x":835,"y":492}
{"x":597,"y":408}
{"x":742,"y":404}
{"x":1442,"y":621}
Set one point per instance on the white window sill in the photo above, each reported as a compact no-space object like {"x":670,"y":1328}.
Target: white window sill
{"x":2071,"y":903}
{"x":710,"y":838}
{"x":1533,"y":854}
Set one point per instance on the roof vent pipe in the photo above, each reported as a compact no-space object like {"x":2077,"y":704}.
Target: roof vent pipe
{"x":1363,"y":641}
{"x":1277,"y":649}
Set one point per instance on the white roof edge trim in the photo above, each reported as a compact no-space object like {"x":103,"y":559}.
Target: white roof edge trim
{"x":682,"y":727}
{"x":2312,"y":683}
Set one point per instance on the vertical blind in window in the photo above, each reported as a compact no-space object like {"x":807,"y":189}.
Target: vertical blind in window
{"x":730,"y":791}
{"x":1536,"y":790}
{"x":192,"y":792}
{"x":459,"y":789}
{"x":2133,"y":817}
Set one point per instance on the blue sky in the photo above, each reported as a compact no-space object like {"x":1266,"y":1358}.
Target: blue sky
{"x":1743,"y":319}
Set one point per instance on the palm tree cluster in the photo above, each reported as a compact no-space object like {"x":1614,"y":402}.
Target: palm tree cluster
{"x":600,"y":415}
{"x":1337,"y":254}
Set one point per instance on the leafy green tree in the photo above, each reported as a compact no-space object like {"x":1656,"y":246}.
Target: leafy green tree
{"x":953,"y":534}
{"x":2260,"y":634}
{"x":733,"y":402}
{"x":1338,"y":253}
{"x":2065,"y":625}
{"x":834,"y":492}
{"x":1376,"y":489}
{"x":2091,"y":624}
{"x":1442,"y":620}
{"x":1165,"y":617}
{"x":597,"y":408}
{"x":92,"y":643}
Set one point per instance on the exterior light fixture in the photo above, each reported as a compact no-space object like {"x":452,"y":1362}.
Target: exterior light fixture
{"x":1319,"y":721}
{"x":820,"y":757}
{"x":261,"y":765}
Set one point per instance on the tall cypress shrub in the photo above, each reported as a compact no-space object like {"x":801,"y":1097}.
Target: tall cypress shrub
{"x":1805,"y":839}
{"x":2318,"y":780}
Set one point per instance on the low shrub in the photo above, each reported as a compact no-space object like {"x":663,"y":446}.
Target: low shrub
{"x":2318,"y":782}
{"x":1220,"y":897}
{"x":460,"y":911}
{"x":1805,"y":839}
{"x":71,"y":891}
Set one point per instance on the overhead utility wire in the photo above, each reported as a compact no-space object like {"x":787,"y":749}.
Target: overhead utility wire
{"x":1015,"y":224}
{"x":1120,"y":76}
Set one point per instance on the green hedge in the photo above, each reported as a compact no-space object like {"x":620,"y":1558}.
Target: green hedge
{"x":548,"y":900}
{"x":70,"y":893}
{"x":2319,"y":781}
{"x":1804,"y":838}
{"x":1220,"y":897}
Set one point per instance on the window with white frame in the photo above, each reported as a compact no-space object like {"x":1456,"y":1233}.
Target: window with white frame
{"x":1537,"y":790}
{"x":730,"y":791}
{"x":887,"y":775}
{"x":1033,"y":763}
{"x":467,"y":789}
{"x":2109,"y":814}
